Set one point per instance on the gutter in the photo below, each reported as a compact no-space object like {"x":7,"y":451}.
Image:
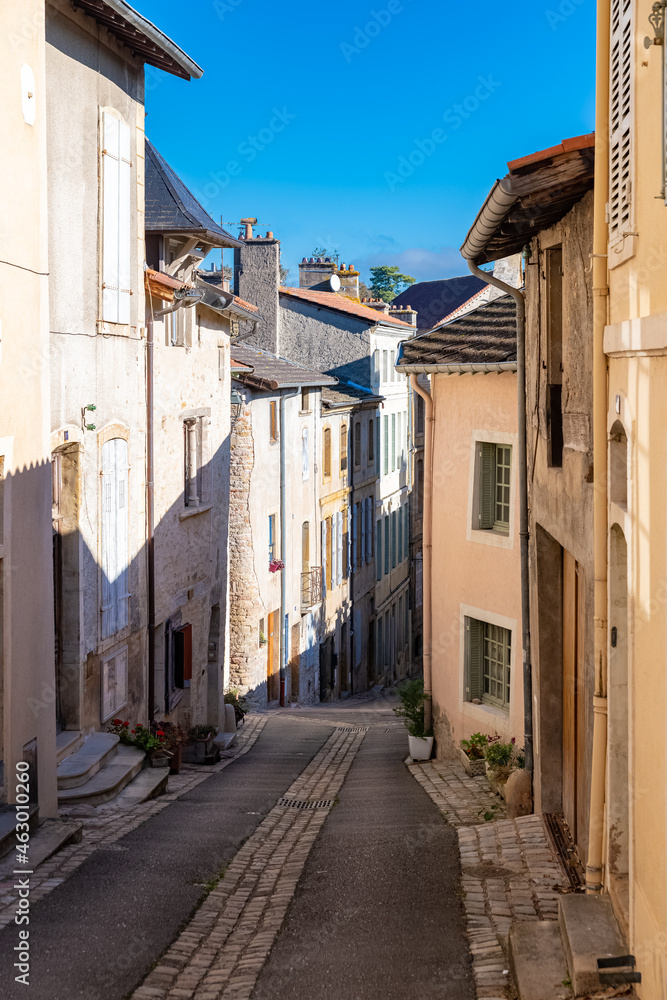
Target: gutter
{"x":427,"y":552}
{"x":158,"y":37}
{"x":493,"y":211}
{"x":486,"y":368}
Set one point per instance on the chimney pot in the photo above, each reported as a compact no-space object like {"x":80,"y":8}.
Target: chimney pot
{"x":269,"y":235}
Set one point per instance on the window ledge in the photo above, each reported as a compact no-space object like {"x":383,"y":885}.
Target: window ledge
{"x":491,"y":536}
{"x":193,"y":511}
{"x":482,"y":710}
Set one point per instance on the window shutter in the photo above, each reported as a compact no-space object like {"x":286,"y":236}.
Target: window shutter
{"x":324,"y":559}
{"x":355,"y":529}
{"x":486,"y":454}
{"x":474,"y":646}
{"x":116,"y":244}
{"x":393,"y":441}
{"x":394,"y":519}
{"x":339,"y":548}
{"x":377,"y":444}
{"x":304,"y":454}
{"x":620,"y":119}
{"x":406,"y":528}
{"x":363,"y":548}
{"x":400,"y":534}
{"x":378,"y":549}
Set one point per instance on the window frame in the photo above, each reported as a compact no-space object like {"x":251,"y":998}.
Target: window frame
{"x":480,"y":636}
{"x":326,"y":452}
{"x":274,"y":422}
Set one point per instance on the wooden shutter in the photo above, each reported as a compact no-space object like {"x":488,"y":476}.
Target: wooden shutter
{"x":620,"y":120}
{"x":116,"y":243}
{"x":378,"y":549}
{"x":363,"y":557}
{"x":486,"y":457}
{"x":115,"y":548}
{"x":355,"y":530}
{"x":377,"y":444}
{"x":400,"y":534}
{"x":324,"y":559}
{"x":304,"y":454}
{"x":386,"y":544}
{"x":339,"y":548}
{"x":394,"y":519}
{"x":474,"y":639}
{"x":369,"y":529}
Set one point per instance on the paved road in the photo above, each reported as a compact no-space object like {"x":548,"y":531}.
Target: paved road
{"x":376,"y":913}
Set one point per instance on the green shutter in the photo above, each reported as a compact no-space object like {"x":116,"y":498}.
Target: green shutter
{"x":487,"y":475}
{"x":473,"y":664}
{"x":378,"y":550}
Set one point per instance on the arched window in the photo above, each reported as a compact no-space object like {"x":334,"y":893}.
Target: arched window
{"x":115,"y":536}
{"x":343,"y":448}
{"x":371,"y":442}
{"x":618,"y":465}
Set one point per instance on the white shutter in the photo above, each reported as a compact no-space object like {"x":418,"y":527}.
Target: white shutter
{"x":304,"y":455}
{"x":620,"y":120}
{"x":108,"y":538}
{"x":324,"y":558}
{"x":339,"y":547}
{"x":116,"y":243}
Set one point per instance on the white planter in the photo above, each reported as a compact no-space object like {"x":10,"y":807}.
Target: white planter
{"x":420,"y":747}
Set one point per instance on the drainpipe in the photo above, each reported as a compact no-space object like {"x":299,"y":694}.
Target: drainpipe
{"x":150,"y":495}
{"x":427,"y":548}
{"x":519,"y":300}
{"x":283,"y":545}
{"x":600,"y":306}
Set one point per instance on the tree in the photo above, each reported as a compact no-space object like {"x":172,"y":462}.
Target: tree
{"x":323,"y":252}
{"x":364,"y":291}
{"x":387,"y":282}
{"x":284,"y":275}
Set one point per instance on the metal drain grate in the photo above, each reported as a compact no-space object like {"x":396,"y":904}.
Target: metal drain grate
{"x":561,"y":838}
{"x":351,"y":729}
{"x":305,"y":803}
{"x":487,"y":870}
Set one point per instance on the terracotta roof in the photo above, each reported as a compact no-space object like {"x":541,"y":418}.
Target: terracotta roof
{"x":486,"y":336}
{"x":537,"y":192}
{"x":141,"y":36}
{"x":435,"y":299}
{"x":339,"y":303}
{"x":347,"y":394}
{"x":272,"y":372}
{"x":246,"y":305}
{"x":162,"y":285}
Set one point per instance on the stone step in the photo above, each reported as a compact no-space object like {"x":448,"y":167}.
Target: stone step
{"x":48,"y":838}
{"x":589,"y":931}
{"x":67,"y":742}
{"x":148,"y":784}
{"x":224,"y":740}
{"x":107,"y":782}
{"x":537,"y":961}
{"x":79,"y":767}
{"x":8,"y":826}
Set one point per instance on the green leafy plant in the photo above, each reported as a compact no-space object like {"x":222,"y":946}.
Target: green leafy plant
{"x":232,"y":697}
{"x":498,"y":754}
{"x":174,"y":736}
{"x":148,"y":741}
{"x":411,"y":709}
{"x":200,"y":733}
{"x":489,"y":813}
{"x":475,"y":746}
{"x":387,"y":281}
{"x":121,"y":729}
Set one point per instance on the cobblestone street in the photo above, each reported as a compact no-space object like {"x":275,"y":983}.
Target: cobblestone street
{"x":308,"y":862}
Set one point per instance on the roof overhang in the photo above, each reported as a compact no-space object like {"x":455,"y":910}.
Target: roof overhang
{"x":536,"y":193}
{"x":490,"y":368}
{"x":141,"y":36}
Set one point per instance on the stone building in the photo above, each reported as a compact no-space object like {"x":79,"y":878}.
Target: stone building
{"x":277,"y":562}
{"x":95,"y":189}
{"x":190,"y":416}
{"x":475,"y":579}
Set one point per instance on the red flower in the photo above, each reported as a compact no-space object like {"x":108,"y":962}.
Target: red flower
{"x":134,"y":730}
{"x":126,"y":723}
{"x":160,"y":732}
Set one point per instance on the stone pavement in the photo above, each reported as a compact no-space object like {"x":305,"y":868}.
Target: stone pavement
{"x":221,"y":952}
{"x":106,"y":824}
{"x":509,"y":869}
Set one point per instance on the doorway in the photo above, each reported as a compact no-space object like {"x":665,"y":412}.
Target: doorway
{"x":573,"y":732}
{"x":273,"y":657}
{"x":618,"y":795}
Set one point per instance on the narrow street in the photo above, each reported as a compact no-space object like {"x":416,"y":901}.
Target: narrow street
{"x":358,"y":897}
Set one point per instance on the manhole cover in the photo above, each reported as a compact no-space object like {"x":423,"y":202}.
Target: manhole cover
{"x":491,"y":871}
{"x":351,"y":729}
{"x":305,"y":804}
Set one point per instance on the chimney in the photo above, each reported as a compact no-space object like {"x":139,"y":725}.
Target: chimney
{"x":315,"y":273}
{"x":257,"y":280}
{"x":349,"y":281}
{"x":405,"y":313}
{"x":248,"y":223}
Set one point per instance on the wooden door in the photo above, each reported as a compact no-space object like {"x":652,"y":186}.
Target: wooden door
{"x":573,"y":704}
{"x":295,"y":655}
{"x":273,"y":657}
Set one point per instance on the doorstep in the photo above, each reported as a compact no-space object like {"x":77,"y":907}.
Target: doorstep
{"x":107,"y":782}
{"x":91,"y":757}
{"x":537,"y":961}
{"x":589,"y":931}
{"x":67,"y":742}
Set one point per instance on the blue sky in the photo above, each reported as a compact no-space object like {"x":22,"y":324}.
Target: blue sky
{"x":374,"y":129}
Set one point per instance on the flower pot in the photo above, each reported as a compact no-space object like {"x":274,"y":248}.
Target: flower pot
{"x":176,"y":760}
{"x":159,"y":760}
{"x":197,"y":751}
{"x":472,"y":767}
{"x":420,"y":747}
{"x":496,"y":786}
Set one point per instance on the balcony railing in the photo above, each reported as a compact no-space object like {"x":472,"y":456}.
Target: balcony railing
{"x":311,"y":587}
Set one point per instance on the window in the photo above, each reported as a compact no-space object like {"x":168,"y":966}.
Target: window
{"x":385,"y":366}
{"x":343,"y":448}
{"x":406,"y":533}
{"x":273,"y":421}
{"x":377,"y":443}
{"x":175,"y":328}
{"x":620,"y":120}
{"x":420,"y":485}
{"x":420,"y":415}
{"x":419,"y":579}
{"x":394,"y":520}
{"x":357,"y":444}
{"x":386,"y":544}
{"x":371,"y":442}
{"x":305,"y":547}
{"x":393,"y":442}
{"x":487,"y":661}
{"x":261,"y":638}
{"x":392,"y":366}
{"x":400,"y":534}
{"x":345,"y":544}
{"x":386,"y":444}
{"x":114,"y":684}
{"x":115,"y":538}
{"x":193,"y":449}
{"x":494,"y":469}
{"x":116,"y":241}
{"x":178,"y":655}
{"x":326,"y":450}
{"x":400,"y":623}
{"x":273,"y":538}
{"x":378,"y":641}
{"x":378,"y":550}
{"x":369,"y":528}
{"x":328,"y":562}
{"x":358,"y":536}
{"x":305,"y":459}
{"x":376,"y":367}
{"x":554,"y":272}
{"x":305,"y":400}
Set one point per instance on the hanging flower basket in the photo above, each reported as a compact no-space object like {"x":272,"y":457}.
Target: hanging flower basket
{"x":275,"y":565}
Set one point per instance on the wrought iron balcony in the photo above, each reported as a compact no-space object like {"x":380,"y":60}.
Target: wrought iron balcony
{"x":311,"y":587}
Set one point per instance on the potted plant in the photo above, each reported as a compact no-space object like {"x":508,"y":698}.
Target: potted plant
{"x":240,"y":706}
{"x":153,"y":745}
{"x":501,"y":759}
{"x":199,"y":745}
{"x":472,"y":754}
{"x":411,"y":710}
{"x":175,"y":738}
